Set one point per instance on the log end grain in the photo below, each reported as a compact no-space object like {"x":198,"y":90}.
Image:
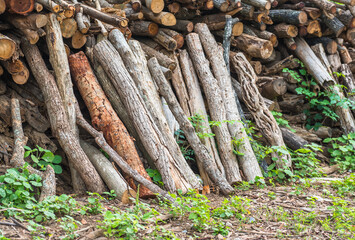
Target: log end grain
{"x":156,"y":6}
{"x":7,"y":47}
{"x":168,"y":19}
{"x":302,"y":17}
{"x":237,"y":29}
{"x":20,"y":6}
{"x":41,"y":20}
{"x":2,"y":6}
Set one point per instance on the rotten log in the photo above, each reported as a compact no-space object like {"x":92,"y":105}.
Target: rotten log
{"x":263,"y":117}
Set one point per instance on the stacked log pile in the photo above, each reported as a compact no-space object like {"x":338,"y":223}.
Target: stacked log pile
{"x":142,"y":69}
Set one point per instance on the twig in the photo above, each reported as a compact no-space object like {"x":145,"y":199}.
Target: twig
{"x":19,"y":224}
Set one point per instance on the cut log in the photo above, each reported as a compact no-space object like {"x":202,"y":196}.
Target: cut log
{"x":288,"y":62}
{"x":200,"y":150}
{"x":274,"y":88}
{"x":100,"y":140}
{"x":144,"y":28}
{"x":59,"y":124}
{"x":283,"y":30}
{"x":263,"y":117}
{"x":346,"y":18}
{"x":18,"y":70}
{"x":165,"y":40}
{"x":217,"y":110}
{"x":7,"y":47}
{"x":197,"y":106}
{"x":335,"y":61}
{"x":334,"y":24}
{"x":78,"y":40}
{"x":174,"y":7}
{"x":113,"y":180}
{"x":321,"y":75}
{"x":162,"y":59}
{"x":183,"y":26}
{"x":312,"y":63}
{"x":136,"y":65}
{"x":264,"y":4}
{"x":247,"y":159}
{"x":313,"y":13}
{"x":117,"y":104}
{"x":59,"y":61}
{"x":179,"y":38}
{"x":114,"y":20}
{"x":17,"y":160}
{"x":325,"y":5}
{"x":156,"y":6}
{"x":173,"y":177}
{"x":329,"y":44}
{"x":163,"y":18}
{"x":105,"y":119}
{"x":68,"y":27}
{"x":50,"y":5}
{"x":136,"y":5}
{"x":292,"y":140}
{"x":20,"y":7}
{"x":253,"y":46}
{"x":288,"y":16}
{"x":344,"y":54}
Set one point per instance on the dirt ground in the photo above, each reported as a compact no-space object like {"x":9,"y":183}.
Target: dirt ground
{"x":271,"y":215}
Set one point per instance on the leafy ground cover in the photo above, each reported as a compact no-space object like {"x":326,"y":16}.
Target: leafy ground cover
{"x":305,"y":209}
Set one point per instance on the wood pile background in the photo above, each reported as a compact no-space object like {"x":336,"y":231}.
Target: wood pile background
{"x":141,"y":68}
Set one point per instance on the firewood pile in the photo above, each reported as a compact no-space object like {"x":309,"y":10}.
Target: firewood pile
{"x":140,"y":70}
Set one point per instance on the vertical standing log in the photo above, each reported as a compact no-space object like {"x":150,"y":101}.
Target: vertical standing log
{"x":7,"y":47}
{"x":197,"y":106}
{"x":116,"y":103}
{"x":199,"y":149}
{"x":180,"y":87}
{"x":247,"y":161}
{"x":59,"y":61}
{"x":173,"y":177}
{"x":256,"y":105}
{"x":216,"y":107}
{"x":136,"y":64}
{"x":59,"y":122}
{"x":105,"y":119}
